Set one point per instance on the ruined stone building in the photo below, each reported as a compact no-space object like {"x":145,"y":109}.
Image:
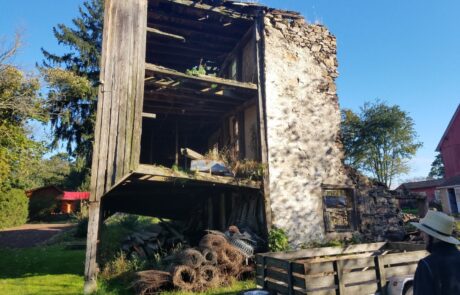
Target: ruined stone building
{"x":265,"y":93}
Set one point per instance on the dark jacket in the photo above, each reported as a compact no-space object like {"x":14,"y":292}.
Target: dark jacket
{"x":439,"y":273}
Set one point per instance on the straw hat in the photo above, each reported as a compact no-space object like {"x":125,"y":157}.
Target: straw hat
{"x":438,"y":225}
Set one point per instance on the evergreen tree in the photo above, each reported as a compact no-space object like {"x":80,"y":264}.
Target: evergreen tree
{"x":72,"y":79}
{"x":437,"y":168}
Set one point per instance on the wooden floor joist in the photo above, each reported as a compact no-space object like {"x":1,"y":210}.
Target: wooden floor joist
{"x":163,"y":174}
{"x":152,"y":69}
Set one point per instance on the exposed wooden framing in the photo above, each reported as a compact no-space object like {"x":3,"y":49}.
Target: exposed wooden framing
{"x":241,"y":107}
{"x":186,"y":33}
{"x":194,"y":44}
{"x":261,"y":113}
{"x":205,"y":80}
{"x":149,"y":115}
{"x":162,"y":96}
{"x":191,"y":154}
{"x":222,"y":212}
{"x":167,"y":18}
{"x":170,"y":175}
{"x":119,"y":110}
{"x":165,"y":34}
{"x":183,"y":110}
{"x":200,"y":9}
{"x":235,"y":53}
{"x":219,"y":52}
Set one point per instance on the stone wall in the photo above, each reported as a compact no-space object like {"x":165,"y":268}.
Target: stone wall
{"x":303,"y":123}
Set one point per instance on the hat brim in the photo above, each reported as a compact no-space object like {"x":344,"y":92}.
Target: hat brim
{"x":447,"y":239}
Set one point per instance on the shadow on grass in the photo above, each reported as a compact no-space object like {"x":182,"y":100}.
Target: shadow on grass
{"x":46,"y":260}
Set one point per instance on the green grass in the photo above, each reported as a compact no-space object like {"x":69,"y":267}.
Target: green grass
{"x":41,"y":270}
{"x":53,"y":270}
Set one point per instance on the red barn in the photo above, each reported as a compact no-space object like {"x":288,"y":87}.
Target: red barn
{"x":426,"y":188}
{"x":68,"y":202}
{"x":449,"y":147}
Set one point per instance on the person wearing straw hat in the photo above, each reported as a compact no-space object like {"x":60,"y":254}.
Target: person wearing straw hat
{"x":438,"y":273}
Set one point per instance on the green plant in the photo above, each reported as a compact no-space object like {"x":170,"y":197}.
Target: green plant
{"x":278,"y":240}
{"x":13,"y":208}
{"x":196,"y":71}
{"x":120,"y":265}
{"x":41,"y":206}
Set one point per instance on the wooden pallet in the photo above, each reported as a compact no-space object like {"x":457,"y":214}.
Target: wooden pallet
{"x":358,"y":269}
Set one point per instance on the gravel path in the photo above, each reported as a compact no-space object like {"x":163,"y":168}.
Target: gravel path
{"x":30,"y":235}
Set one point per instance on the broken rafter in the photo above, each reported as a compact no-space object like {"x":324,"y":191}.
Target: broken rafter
{"x":201,"y":9}
{"x":196,"y":35}
{"x":165,"y":34}
{"x":155,"y":70}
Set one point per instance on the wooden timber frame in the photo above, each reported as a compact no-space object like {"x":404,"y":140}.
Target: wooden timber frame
{"x":147,"y":46}
{"x":356,"y":269}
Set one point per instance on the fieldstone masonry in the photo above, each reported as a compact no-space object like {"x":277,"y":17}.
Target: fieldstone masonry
{"x":303,"y":124}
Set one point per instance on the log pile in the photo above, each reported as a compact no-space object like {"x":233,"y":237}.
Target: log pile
{"x":214,"y":263}
{"x":148,"y":243}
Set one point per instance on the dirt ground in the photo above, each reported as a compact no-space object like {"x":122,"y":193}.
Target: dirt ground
{"x":30,"y":235}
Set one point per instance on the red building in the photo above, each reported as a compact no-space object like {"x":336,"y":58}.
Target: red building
{"x":68,"y":202}
{"x":427,"y":188}
{"x":449,"y":147}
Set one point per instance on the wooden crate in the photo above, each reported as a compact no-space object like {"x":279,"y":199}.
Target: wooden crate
{"x":357,"y":269}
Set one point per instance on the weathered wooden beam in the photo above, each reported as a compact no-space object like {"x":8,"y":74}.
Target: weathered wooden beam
{"x":168,"y":18}
{"x":193,"y":98}
{"x":191,"y":154}
{"x":238,"y":47}
{"x":165,"y":34}
{"x":206,"y":80}
{"x":205,"y":49}
{"x":149,"y":115}
{"x":193,"y":34}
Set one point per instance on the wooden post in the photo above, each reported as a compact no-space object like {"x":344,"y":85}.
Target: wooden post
{"x":381,"y":276}
{"x":222,"y":212}
{"x":176,"y":162}
{"x":261,"y":117}
{"x":91,"y":248}
{"x":210,"y":214}
{"x":338,"y":267}
{"x":290,"y":280}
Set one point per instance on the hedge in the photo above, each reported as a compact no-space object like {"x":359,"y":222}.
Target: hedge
{"x":14,"y":206}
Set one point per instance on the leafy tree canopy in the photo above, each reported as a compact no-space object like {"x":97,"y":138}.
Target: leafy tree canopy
{"x":379,"y":140}
{"x":437,"y":168}
{"x":19,"y":103}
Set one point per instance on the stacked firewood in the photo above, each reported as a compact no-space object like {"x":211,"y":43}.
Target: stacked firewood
{"x":148,"y":243}
{"x":214,"y":263}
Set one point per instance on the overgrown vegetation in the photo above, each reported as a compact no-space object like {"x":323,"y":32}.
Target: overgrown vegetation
{"x":13,"y":208}
{"x":278,"y":240}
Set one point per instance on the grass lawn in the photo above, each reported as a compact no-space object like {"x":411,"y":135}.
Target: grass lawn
{"x":41,"y":270}
{"x":53,"y":270}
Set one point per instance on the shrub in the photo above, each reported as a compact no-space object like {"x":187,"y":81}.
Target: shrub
{"x":13,"y":208}
{"x":278,"y":240}
{"x":41,"y":207}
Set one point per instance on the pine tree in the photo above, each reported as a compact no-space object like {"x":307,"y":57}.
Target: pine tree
{"x":72,"y":80}
{"x":437,"y":168}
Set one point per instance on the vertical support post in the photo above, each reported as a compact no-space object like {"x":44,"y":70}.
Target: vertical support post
{"x":264,"y":274}
{"x":210,"y":214}
{"x":91,"y":248}
{"x":261,"y":116}
{"x":338,"y":268}
{"x":177,"y":145}
{"x":290,"y":279}
{"x":381,"y":276}
{"x":222,"y":212}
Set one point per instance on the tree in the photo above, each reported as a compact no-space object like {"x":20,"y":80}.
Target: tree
{"x":437,"y":168}
{"x":19,"y":103}
{"x":379,"y":140}
{"x":72,"y":79}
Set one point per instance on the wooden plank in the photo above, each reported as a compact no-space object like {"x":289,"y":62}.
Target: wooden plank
{"x":139,"y":84}
{"x":359,"y":276}
{"x":278,"y":263}
{"x":158,"y":32}
{"x":315,"y":268}
{"x":276,"y":287}
{"x":358,"y":263}
{"x":158,"y":70}
{"x":327,"y":251}
{"x":311,"y":283}
{"x":260,"y":282}
{"x":338,"y":266}
{"x":381,"y":274}
{"x":402,"y":270}
{"x":365,"y":289}
{"x":408,"y":257}
{"x":276,"y":275}
{"x":198,"y":177}
{"x":261,"y":119}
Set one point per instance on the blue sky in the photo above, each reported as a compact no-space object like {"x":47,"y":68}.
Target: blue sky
{"x":404,"y":52}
